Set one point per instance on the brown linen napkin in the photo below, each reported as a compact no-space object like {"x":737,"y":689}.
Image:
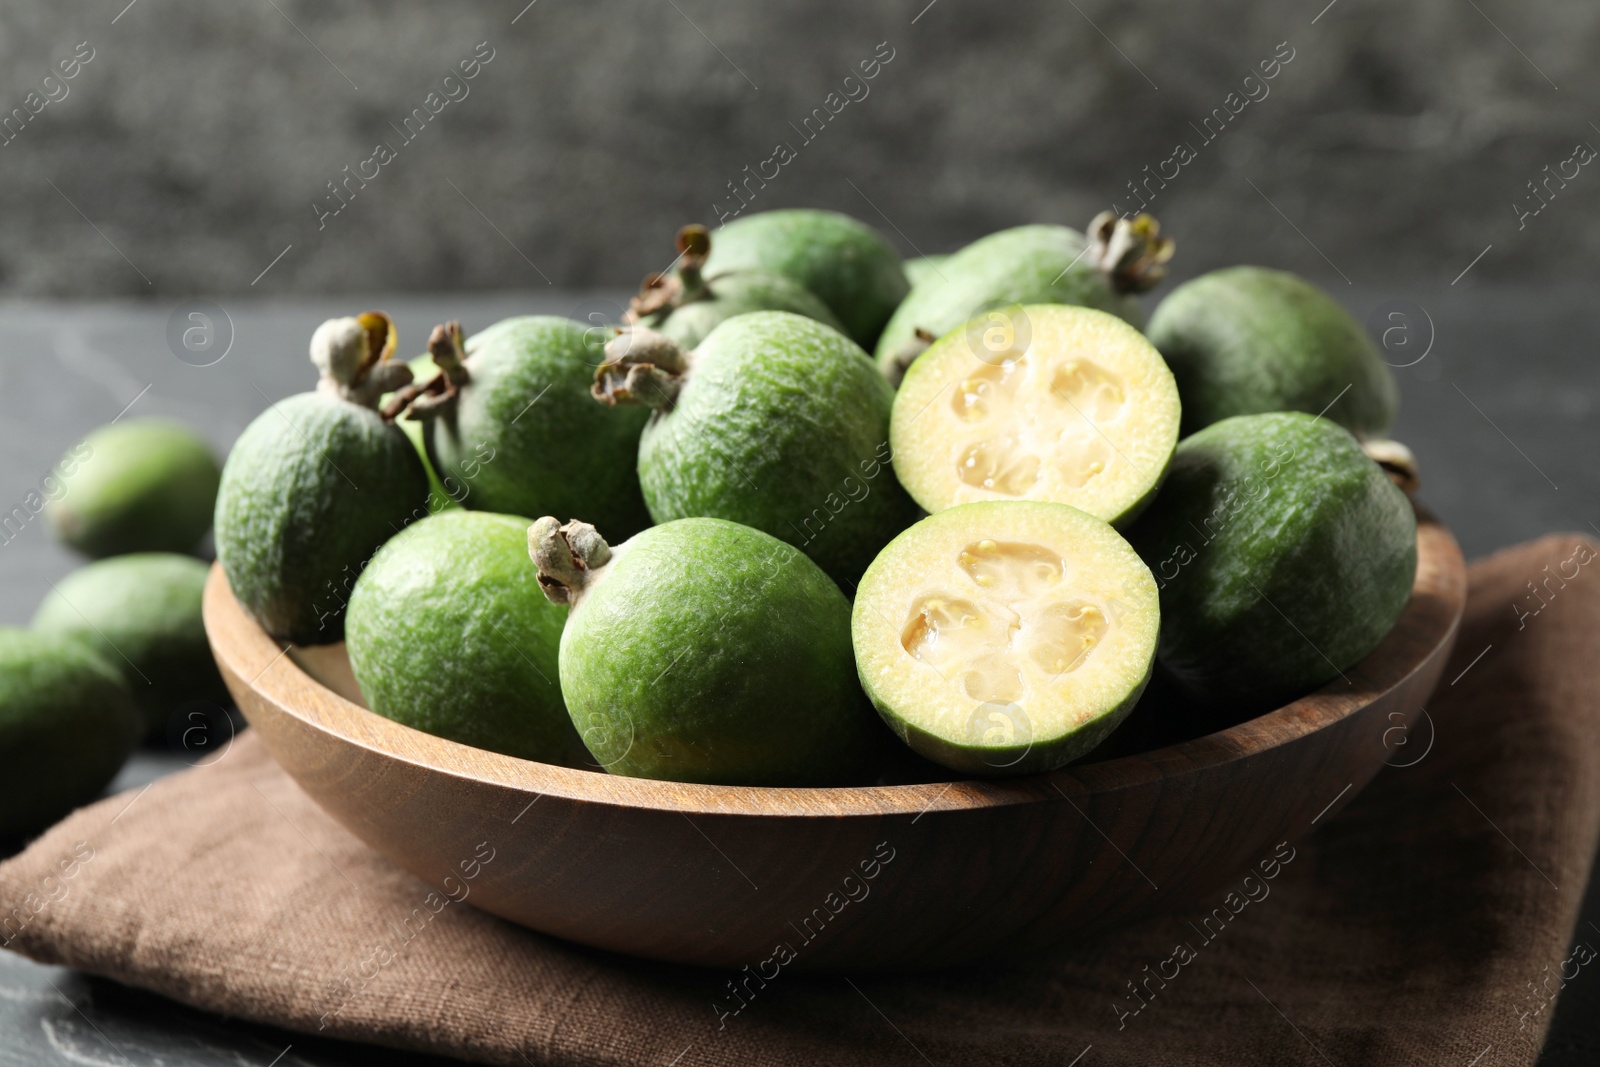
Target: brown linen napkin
{"x":1429,"y":922}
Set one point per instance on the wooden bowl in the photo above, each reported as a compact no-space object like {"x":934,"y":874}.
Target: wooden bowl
{"x":870,"y":877}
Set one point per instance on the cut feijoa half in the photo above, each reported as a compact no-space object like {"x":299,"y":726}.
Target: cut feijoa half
{"x":1005,"y":637}
{"x":1044,"y":402}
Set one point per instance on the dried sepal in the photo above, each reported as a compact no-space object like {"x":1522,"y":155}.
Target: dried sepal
{"x":1129,"y":251}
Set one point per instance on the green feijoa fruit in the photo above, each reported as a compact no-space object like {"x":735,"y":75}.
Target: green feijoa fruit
{"x":1006,"y":637}
{"x":704,"y":651}
{"x":141,"y":613}
{"x":1284,"y":556}
{"x":922,"y":267}
{"x":316,"y":484}
{"x":688,"y":304}
{"x":449,"y":634}
{"x":145,"y":485}
{"x":1047,"y":402}
{"x":1248,"y":340}
{"x":1029,"y":265}
{"x":846,"y":263}
{"x":67,"y":724}
{"x":510,"y":420}
{"x":777,"y":422}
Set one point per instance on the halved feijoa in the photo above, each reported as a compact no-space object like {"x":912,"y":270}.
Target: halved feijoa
{"x":1045,"y":402}
{"x":1006,"y":637}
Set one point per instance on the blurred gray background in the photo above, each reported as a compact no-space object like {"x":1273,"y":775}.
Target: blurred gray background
{"x":187,"y":154}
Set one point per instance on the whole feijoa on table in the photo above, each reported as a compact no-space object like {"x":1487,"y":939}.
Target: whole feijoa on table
{"x":316,"y":484}
{"x":144,"y":485}
{"x":510,"y":421}
{"x":67,"y":724}
{"x":1046,"y":402}
{"x":1247,"y":340}
{"x":1284,"y":555}
{"x":1033,"y":264}
{"x":775,"y":421}
{"x":846,"y":263}
{"x":687,"y":303}
{"x":141,"y":613}
{"x":705,"y":651}
{"x":1006,"y":637}
{"x":449,"y":633}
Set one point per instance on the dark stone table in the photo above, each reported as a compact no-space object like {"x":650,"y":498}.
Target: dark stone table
{"x":1501,"y":403}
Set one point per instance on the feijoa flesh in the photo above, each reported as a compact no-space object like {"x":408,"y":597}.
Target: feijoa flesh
{"x":1284,"y":556}
{"x":1006,"y":637}
{"x":1047,"y":402}
{"x":449,"y":633}
{"x":1034,"y":264}
{"x":141,"y":613}
{"x":316,"y":484}
{"x":846,"y":263}
{"x":67,"y":724}
{"x":687,"y":304}
{"x":145,"y":485}
{"x":705,"y":651}
{"x":510,"y":420}
{"x":775,"y":421}
{"x":1248,"y":340}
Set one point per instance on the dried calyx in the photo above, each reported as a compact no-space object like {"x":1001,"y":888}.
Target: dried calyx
{"x":423,"y":399}
{"x":1396,"y":460}
{"x":354,"y":356}
{"x":662,"y":294}
{"x":1131,"y":253}
{"x":641,"y":367}
{"x":568,"y":557}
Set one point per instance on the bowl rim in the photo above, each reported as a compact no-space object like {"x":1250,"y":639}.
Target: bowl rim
{"x":253,"y":662}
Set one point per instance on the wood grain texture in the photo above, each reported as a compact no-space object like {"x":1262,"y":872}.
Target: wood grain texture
{"x":961,"y":871}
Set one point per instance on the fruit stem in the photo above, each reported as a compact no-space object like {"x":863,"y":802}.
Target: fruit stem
{"x":353,"y":355}
{"x":1131,"y":253}
{"x":419,"y":401}
{"x":641,"y":367}
{"x":661,"y":294}
{"x":568,"y":557}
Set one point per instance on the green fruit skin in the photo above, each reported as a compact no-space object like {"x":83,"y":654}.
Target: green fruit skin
{"x":738,"y":293}
{"x":310,"y":491}
{"x":1033,"y":758}
{"x":845,"y":262}
{"x":782,"y":425}
{"x":1025,"y":265}
{"x":141,"y":613}
{"x":450,"y":634}
{"x":1284,"y":556}
{"x":923,"y":267}
{"x":1248,"y":340}
{"x":146,"y":485}
{"x":525,"y":437}
{"x":67,"y":724}
{"x":711,"y":652}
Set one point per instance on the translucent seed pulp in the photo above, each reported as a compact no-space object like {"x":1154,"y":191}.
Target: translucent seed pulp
{"x":1023,"y":424}
{"x":1016,"y":626}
